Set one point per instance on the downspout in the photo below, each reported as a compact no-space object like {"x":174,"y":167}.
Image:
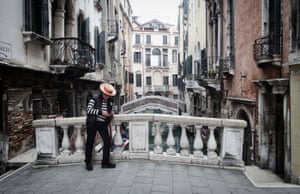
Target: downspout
{"x":220,"y":51}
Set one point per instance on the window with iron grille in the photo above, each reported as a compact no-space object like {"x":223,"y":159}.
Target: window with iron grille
{"x":36,"y":17}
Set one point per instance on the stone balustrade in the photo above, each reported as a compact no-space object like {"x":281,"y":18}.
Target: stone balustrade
{"x":62,"y":140}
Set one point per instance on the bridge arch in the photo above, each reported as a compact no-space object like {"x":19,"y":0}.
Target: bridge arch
{"x":151,"y":104}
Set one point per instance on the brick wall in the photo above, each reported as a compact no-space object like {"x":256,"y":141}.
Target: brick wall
{"x":20,"y":131}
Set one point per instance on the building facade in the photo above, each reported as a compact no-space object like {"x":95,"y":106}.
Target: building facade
{"x":192,"y":29}
{"x":155,"y":58}
{"x":250,"y":70}
{"x":53,"y":56}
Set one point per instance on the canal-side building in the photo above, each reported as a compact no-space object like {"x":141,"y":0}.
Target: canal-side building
{"x":253,"y":44}
{"x":192,"y":57}
{"x":155,"y":56}
{"x":53,"y":56}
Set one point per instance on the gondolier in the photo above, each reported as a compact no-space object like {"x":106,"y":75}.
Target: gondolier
{"x":99,"y":115}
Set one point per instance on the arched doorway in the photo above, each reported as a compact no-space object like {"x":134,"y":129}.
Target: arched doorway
{"x":247,"y":145}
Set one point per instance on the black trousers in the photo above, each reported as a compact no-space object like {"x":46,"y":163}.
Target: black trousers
{"x":102,"y":128}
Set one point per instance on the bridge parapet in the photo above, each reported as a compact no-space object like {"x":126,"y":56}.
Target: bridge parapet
{"x":172,"y":138}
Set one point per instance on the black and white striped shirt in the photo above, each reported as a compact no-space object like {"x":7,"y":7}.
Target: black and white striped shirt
{"x":93,"y":108}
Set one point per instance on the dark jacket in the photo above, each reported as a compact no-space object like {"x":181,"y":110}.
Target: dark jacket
{"x":95,"y":107}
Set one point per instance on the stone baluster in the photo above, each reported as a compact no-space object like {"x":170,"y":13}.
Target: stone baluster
{"x":211,"y":144}
{"x":198,"y":144}
{"x":184,"y":142}
{"x":157,"y":139}
{"x":118,"y":142}
{"x":78,"y":142}
{"x":170,"y":140}
{"x":66,"y":140}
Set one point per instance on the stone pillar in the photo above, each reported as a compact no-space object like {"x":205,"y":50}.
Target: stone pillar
{"x":184,"y":142}
{"x":78,"y":142}
{"x":170,"y":140}
{"x":118,"y":142}
{"x":198,"y":144}
{"x":211,"y":144}
{"x":66,"y":140}
{"x":157,"y":139}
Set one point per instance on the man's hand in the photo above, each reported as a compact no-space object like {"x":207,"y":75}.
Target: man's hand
{"x":106,"y":114}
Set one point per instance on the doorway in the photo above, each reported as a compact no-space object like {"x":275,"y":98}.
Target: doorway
{"x":247,"y":145}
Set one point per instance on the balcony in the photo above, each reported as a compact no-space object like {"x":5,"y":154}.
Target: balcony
{"x":72,"y":57}
{"x":268,"y":50}
{"x":112,"y":30}
{"x":227,"y":65}
{"x":158,"y":137}
{"x":157,"y":88}
{"x":212,"y":77}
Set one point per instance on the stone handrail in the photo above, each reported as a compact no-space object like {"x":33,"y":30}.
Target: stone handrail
{"x":70,"y":147}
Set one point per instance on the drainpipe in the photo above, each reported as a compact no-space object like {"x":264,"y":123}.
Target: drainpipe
{"x":220,"y":49}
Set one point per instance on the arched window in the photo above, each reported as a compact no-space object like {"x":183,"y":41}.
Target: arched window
{"x":156,"y":58}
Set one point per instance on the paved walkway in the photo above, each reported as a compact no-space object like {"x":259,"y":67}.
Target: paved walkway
{"x":138,"y":176}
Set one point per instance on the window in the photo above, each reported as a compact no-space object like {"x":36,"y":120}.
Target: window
{"x":137,"y":39}
{"x":156,"y":58}
{"x":174,"y":56}
{"x":83,"y":29}
{"x":165,"y":57}
{"x":166,"y":80}
{"x":102,"y":47}
{"x":137,"y":57}
{"x":148,"y":57}
{"x":138,"y":81}
{"x":36,"y":17}
{"x":148,"y":39}
{"x":176,"y":40}
{"x":148,"y":81}
{"x":99,"y":46}
{"x":295,"y":24}
{"x":165,"y":39}
{"x":175,"y":80}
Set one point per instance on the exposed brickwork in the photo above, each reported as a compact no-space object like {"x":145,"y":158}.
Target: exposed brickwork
{"x":20,"y":132}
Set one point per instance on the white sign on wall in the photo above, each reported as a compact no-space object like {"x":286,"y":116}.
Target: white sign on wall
{"x":5,"y":50}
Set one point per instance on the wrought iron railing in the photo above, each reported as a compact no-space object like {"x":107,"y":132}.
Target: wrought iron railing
{"x":72,"y":52}
{"x":112,"y":30}
{"x":266,"y":47}
{"x":227,"y":64}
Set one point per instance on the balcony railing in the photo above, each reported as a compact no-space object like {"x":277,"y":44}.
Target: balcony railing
{"x":112,"y":30}
{"x":173,"y":138}
{"x":268,"y":50}
{"x":227,"y":65}
{"x":72,"y":54}
{"x":157,"y":88}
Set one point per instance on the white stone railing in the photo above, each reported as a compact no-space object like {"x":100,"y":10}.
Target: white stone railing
{"x":70,"y":147}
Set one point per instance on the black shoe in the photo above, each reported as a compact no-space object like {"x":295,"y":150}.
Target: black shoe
{"x":89,"y":166}
{"x":109,"y":165}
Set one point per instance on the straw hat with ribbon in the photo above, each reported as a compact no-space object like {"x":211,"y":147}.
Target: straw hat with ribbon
{"x":107,"y":89}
